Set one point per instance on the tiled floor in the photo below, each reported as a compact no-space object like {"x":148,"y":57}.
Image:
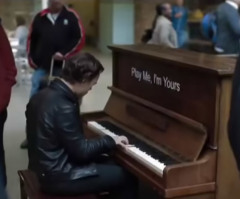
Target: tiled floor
{"x":15,"y":126}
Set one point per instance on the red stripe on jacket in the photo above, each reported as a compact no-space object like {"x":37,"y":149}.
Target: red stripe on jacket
{"x":81,"y":41}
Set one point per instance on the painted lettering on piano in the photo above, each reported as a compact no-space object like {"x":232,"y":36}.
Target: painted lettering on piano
{"x":163,"y":81}
{"x":147,"y":77}
{"x":171,"y":84}
{"x":136,"y":74}
{"x":141,"y":75}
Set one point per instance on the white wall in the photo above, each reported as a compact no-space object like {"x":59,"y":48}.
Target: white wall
{"x":123,"y":23}
{"x":44,"y":4}
{"x":116,"y":23}
{"x":105,"y":25}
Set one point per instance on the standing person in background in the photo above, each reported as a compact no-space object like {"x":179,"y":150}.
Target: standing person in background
{"x":163,"y":31}
{"x":56,"y":33}
{"x":228,"y":28}
{"x":7,"y":80}
{"x":180,"y":22}
{"x":21,"y":34}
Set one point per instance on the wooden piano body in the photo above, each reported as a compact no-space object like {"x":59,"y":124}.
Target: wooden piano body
{"x":178,"y":102}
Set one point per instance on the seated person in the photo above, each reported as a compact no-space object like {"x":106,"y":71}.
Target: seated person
{"x":65,"y":162}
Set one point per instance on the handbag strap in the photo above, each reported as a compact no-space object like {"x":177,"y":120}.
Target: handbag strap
{"x":51,"y":69}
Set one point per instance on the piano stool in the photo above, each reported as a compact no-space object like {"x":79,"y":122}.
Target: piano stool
{"x":29,"y":188}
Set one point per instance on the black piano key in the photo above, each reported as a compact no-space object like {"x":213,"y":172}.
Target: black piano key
{"x":156,"y":154}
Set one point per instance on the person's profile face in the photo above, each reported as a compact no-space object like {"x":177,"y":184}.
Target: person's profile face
{"x":81,"y":89}
{"x":168,"y":10}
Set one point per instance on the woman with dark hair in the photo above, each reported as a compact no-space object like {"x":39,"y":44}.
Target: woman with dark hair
{"x":163,"y":32}
{"x":149,"y":32}
{"x":65,"y":162}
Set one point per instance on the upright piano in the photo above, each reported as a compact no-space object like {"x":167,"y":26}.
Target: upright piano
{"x":173,"y":105}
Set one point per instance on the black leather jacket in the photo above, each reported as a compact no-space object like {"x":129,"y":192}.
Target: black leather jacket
{"x":58,"y":149}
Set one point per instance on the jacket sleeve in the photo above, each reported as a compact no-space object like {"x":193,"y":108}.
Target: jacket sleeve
{"x":164,"y":34}
{"x":7,"y":70}
{"x":32,"y":44}
{"x":71,"y":134}
{"x":76,"y":37}
{"x":234,"y":22}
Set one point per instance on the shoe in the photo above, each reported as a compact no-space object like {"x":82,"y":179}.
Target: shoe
{"x":24,"y":144}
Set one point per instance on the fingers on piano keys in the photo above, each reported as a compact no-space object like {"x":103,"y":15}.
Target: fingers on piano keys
{"x":140,"y":155}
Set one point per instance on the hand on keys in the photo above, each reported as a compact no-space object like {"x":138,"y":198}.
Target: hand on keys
{"x":121,"y":141}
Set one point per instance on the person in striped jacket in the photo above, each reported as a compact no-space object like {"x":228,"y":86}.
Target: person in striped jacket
{"x":56,"y":33}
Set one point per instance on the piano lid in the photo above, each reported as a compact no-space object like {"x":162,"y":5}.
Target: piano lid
{"x":200,"y":61}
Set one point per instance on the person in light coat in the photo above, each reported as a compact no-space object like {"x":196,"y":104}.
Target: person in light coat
{"x":163,"y":31}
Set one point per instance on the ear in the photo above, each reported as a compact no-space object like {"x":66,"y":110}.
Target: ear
{"x":84,"y":81}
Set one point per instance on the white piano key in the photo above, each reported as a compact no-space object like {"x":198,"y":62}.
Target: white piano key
{"x":96,"y":125}
{"x":107,"y":132}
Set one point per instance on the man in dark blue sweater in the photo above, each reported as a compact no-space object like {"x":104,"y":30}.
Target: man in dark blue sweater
{"x":228,"y":23}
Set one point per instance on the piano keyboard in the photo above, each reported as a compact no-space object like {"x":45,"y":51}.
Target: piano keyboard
{"x":142,"y":152}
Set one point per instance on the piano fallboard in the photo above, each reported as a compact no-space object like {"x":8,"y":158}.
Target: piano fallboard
{"x":173,"y":132}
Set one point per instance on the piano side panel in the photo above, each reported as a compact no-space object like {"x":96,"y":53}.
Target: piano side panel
{"x":189,"y":93}
{"x":195,"y":173}
{"x":228,"y":181}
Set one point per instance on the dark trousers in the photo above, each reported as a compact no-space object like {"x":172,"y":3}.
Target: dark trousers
{"x":3,"y":178}
{"x":111,"y":178}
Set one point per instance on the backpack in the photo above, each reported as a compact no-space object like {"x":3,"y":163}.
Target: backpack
{"x":209,"y":26}
{"x":147,"y":35}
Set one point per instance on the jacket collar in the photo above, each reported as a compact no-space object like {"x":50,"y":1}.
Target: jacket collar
{"x":61,"y":87}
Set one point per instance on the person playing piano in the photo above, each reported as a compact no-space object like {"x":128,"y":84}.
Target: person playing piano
{"x":65,"y":161}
